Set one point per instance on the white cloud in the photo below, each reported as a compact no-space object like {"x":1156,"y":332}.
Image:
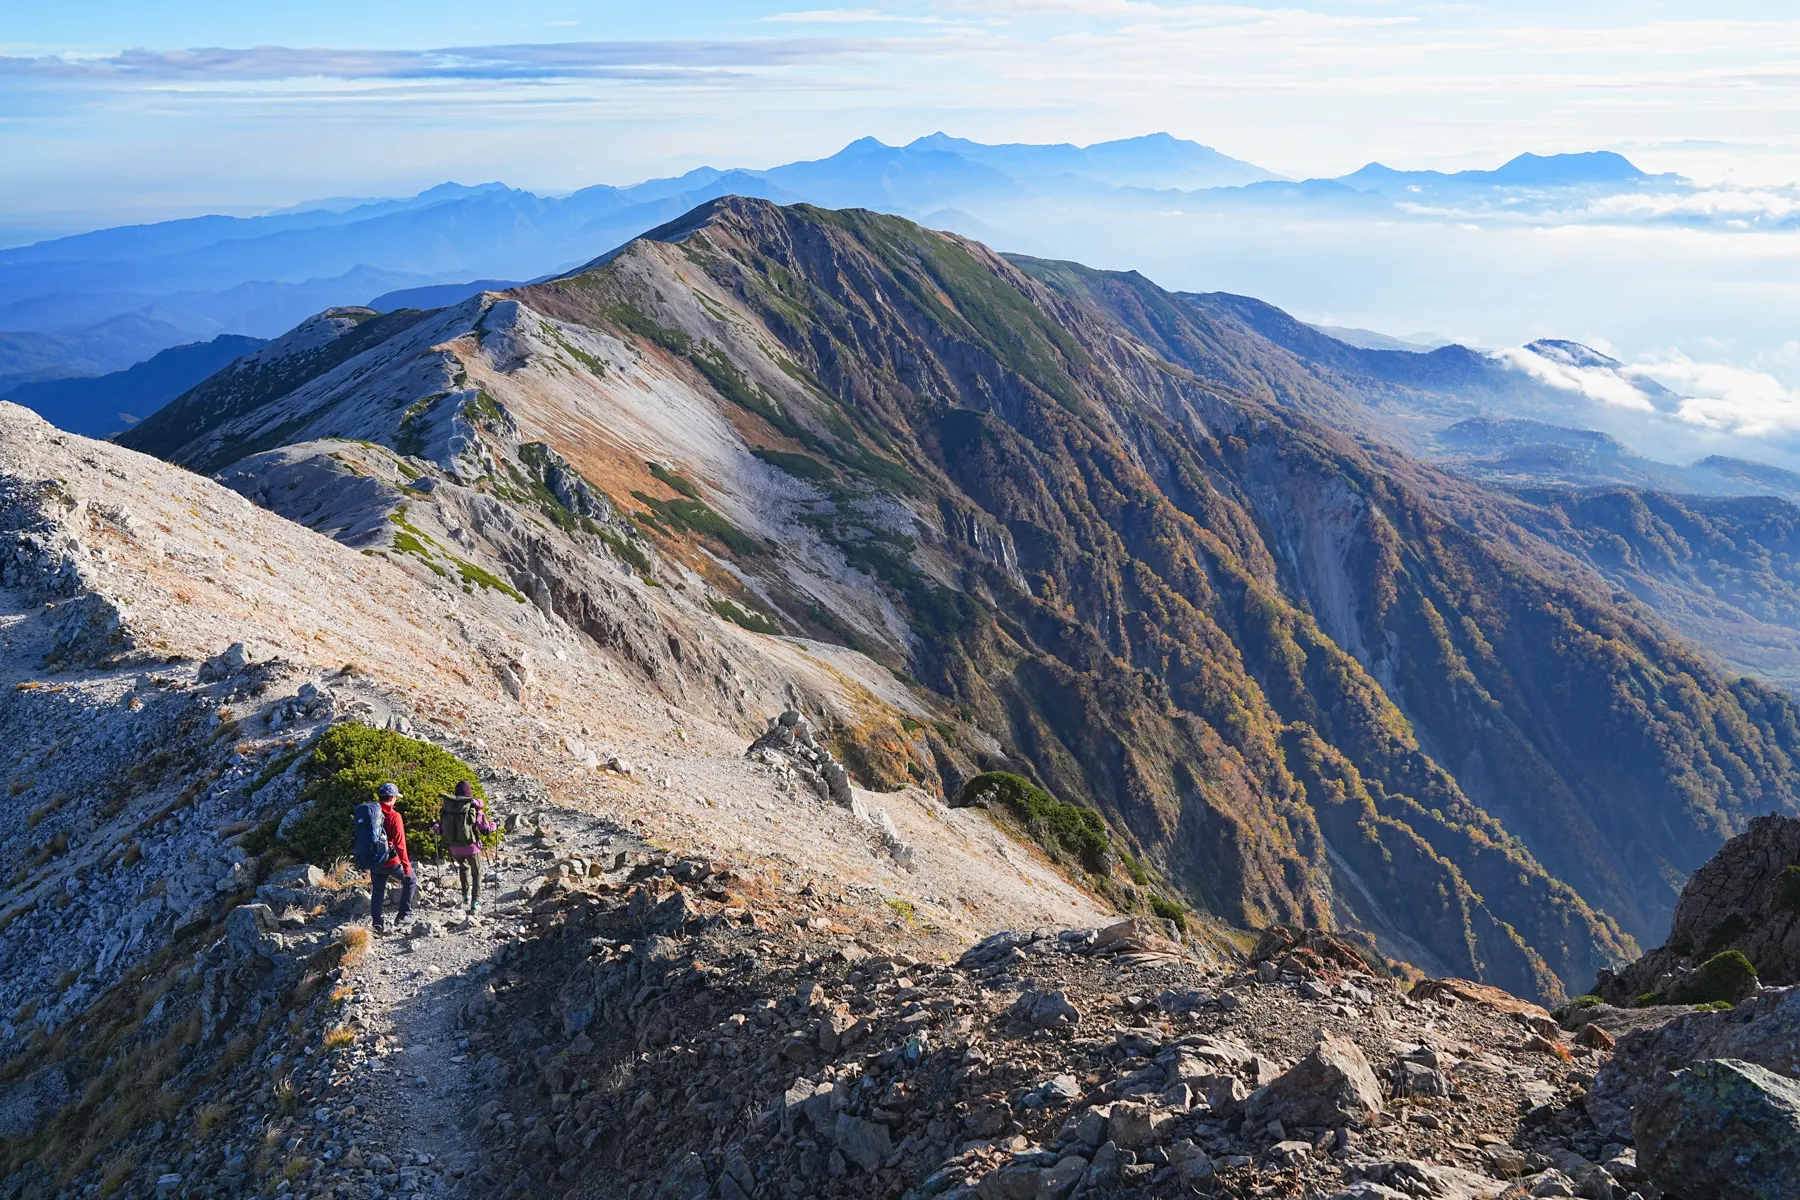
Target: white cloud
{"x":1716,"y":396}
{"x":1727,"y":398}
{"x":1605,"y":385}
{"x":1711,"y":203}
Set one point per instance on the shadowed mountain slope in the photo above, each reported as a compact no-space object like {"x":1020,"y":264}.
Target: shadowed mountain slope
{"x":102,"y":405}
{"x":1108,"y":532}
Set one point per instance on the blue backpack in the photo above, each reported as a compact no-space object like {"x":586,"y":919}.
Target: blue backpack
{"x":369,"y":843}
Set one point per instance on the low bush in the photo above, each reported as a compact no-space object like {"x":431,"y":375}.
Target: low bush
{"x":1168,"y":910}
{"x":1729,"y":977}
{"x":348,"y":764}
{"x":800,"y":466}
{"x":1056,"y":824}
{"x":1580,"y":1002}
{"x":1134,"y":868}
{"x":754,"y":621}
{"x":635,"y":558}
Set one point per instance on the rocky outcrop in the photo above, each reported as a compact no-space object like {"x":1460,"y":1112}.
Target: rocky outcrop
{"x":1764,"y":1030}
{"x":1745,"y":898}
{"x":1722,"y":1127}
{"x":1034,"y":1065}
{"x":789,"y":742}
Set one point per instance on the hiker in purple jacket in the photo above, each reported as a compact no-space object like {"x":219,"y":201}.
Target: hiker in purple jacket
{"x":462,"y":823}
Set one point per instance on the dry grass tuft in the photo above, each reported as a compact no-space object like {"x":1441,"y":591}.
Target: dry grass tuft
{"x":210,"y":1117}
{"x":339,"y":1038}
{"x":355,"y":940}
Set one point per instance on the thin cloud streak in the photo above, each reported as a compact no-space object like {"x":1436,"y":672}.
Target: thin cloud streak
{"x":848,"y":16}
{"x":522,"y":62}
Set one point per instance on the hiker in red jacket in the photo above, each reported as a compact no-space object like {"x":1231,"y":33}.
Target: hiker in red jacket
{"x":399,"y":862}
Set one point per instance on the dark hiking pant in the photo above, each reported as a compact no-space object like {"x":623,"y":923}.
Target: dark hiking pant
{"x":468,"y":877}
{"x":378,"y":881}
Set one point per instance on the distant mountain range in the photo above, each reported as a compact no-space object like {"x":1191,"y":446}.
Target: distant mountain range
{"x":189,"y":280}
{"x":97,"y":303}
{"x":260,"y":275}
{"x":1599,"y":168}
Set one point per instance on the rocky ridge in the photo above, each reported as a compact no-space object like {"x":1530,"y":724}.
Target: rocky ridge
{"x":1105,"y":542}
{"x":169,"y":653}
{"x":699,"y":972}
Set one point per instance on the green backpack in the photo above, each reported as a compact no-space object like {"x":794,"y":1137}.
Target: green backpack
{"x":458,"y":822}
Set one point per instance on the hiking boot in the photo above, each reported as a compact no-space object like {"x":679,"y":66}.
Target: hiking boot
{"x":475,"y":908}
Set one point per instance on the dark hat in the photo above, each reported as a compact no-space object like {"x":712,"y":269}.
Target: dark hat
{"x":463,"y":789}
{"x":388,"y":789}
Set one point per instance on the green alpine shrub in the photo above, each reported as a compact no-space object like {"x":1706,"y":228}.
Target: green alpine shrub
{"x":348,"y":764}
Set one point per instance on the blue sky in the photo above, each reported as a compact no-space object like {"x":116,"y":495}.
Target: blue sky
{"x":113,"y":111}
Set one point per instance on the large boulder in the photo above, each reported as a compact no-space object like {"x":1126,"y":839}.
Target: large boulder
{"x":1722,"y":1127}
{"x":1764,"y":1030}
{"x":1045,"y":1010}
{"x":862,"y":1142}
{"x":1334,"y":1085}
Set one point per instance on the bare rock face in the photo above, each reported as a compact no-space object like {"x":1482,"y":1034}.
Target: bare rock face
{"x":1746,"y":898}
{"x":1764,"y":1030}
{"x":39,"y":552}
{"x":1722,"y":1127}
{"x":1334,"y":1085}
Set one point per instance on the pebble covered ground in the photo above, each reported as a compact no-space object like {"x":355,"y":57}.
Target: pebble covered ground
{"x":657,"y":1034}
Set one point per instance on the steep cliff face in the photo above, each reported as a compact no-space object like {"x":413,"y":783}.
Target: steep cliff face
{"x":1556,"y":709}
{"x":1099,"y":527}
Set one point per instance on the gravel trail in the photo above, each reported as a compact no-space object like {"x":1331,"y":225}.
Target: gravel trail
{"x":417,"y":1077}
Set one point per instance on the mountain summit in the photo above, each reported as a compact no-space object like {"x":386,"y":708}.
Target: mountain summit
{"x":1105,"y":532}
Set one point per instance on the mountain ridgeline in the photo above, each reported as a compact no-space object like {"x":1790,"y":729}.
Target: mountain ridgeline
{"x":1114,"y":537}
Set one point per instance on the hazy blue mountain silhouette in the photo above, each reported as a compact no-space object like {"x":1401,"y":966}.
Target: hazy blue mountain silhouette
{"x":196,"y":278}
{"x":1594,"y":168}
{"x":103,"y":405}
